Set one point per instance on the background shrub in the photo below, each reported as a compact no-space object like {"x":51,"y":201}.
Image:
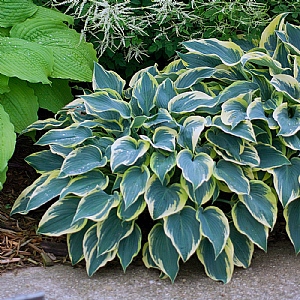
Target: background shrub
{"x":207,"y":148}
{"x":138,"y":33}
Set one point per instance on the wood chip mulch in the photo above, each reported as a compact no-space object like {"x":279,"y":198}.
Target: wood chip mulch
{"x":20,"y":246}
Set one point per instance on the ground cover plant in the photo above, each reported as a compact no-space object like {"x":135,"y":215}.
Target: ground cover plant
{"x":208,"y":148}
{"x":40,"y":55}
{"x":131,"y":34}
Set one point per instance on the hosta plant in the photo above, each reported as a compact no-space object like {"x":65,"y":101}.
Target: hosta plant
{"x":39,"y":54}
{"x":208,"y":148}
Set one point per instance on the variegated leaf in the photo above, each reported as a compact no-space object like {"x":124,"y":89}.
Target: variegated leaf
{"x":111,"y":231}
{"x":133,"y":184}
{"x":286,"y":181}
{"x":228,"y":52}
{"x":243,"y":247}
{"x":184,"y":231}
{"x":292,"y":217}
{"x":195,"y":169}
{"x":163,"y":200}
{"x":133,"y":211}
{"x":261,"y":203}
{"x":58,"y":219}
{"x":214,"y":225}
{"x":126,"y":151}
{"x":220,"y":268}
{"x":248,"y":225}
{"x":129,"y":247}
{"x":163,"y":252}
{"x":233,"y":176}
{"x":164,"y":93}
{"x":96,"y":205}
{"x":93,"y":261}
{"x":190,"y":132}
{"x":287,"y":118}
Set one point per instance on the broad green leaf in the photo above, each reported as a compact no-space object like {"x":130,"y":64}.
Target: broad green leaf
{"x":58,"y":219}
{"x":20,"y":103}
{"x":163,"y":138}
{"x":101,"y":102}
{"x":144,"y":92}
{"x":237,"y":89}
{"x":53,"y":97}
{"x":147,"y":259}
{"x":23,"y":199}
{"x":26,"y":60}
{"x":162,"y":251}
{"x":82,"y":160}
{"x":268,"y":38}
{"x":293,"y":141}
{"x":4,"y":88}
{"x":243,"y":130}
{"x":233,"y":145}
{"x":85,"y":183}
{"x":7,"y":138}
{"x":44,"y":161}
{"x":44,"y":12}
{"x":75,"y":243}
{"x":246,"y":224}
{"x":288,"y":85}
{"x":47,"y":190}
{"x":161,"y":164}
{"x":164,"y":200}
{"x":126,"y":151}
{"x":220,"y":268}
{"x":214,"y":225}
{"x":203,"y":193}
{"x":190,"y":132}
{"x":190,"y":101}
{"x":292,"y":218}
{"x":195,"y":169}
{"x":129,"y":247}
{"x":286,"y":181}
{"x":233,"y":176}
{"x":73,"y":57}
{"x":243,"y":247}
{"x":234,"y":110}
{"x":103,"y":79}
{"x":68,"y":137}
{"x":184,"y":231}
{"x":133,"y":184}
{"x":15,"y":11}
{"x":261,"y":203}
{"x":270,"y":157}
{"x":93,"y":261}
{"x":249,"y":156}
{"x":3,"y":177}
{"x":193,"y":76}
{"x":164,"y":93}
{"x":228,"y":52}
{"x":111,"y":231}
{"x":96,"y":205}
{"x":262,"y":59}
{"x":288,"y":119}
{"x":133,"y":211}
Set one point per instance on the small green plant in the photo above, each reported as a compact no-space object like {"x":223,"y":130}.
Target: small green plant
{"x":206,"y":147}
{"x":39,"y":55}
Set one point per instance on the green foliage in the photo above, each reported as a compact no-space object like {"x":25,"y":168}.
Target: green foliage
{"x":207,"y":147}
{"x":138,"y":33}
{"x":40,"y":54}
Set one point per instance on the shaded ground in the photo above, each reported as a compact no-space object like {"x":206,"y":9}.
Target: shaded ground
{"x":19,"y":244}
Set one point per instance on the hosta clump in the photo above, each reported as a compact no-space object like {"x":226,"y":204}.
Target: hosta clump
{"x":207,"y":146}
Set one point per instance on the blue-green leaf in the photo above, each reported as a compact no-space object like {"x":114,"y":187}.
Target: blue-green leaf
{"x":184,"y":231}
{"x":164,"y":93}
{"x":196,"y":169}
{"x":214,"y":225}
{"x":162,"y":251}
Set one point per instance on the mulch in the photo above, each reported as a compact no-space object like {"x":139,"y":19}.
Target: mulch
{"x":20,"y":246}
